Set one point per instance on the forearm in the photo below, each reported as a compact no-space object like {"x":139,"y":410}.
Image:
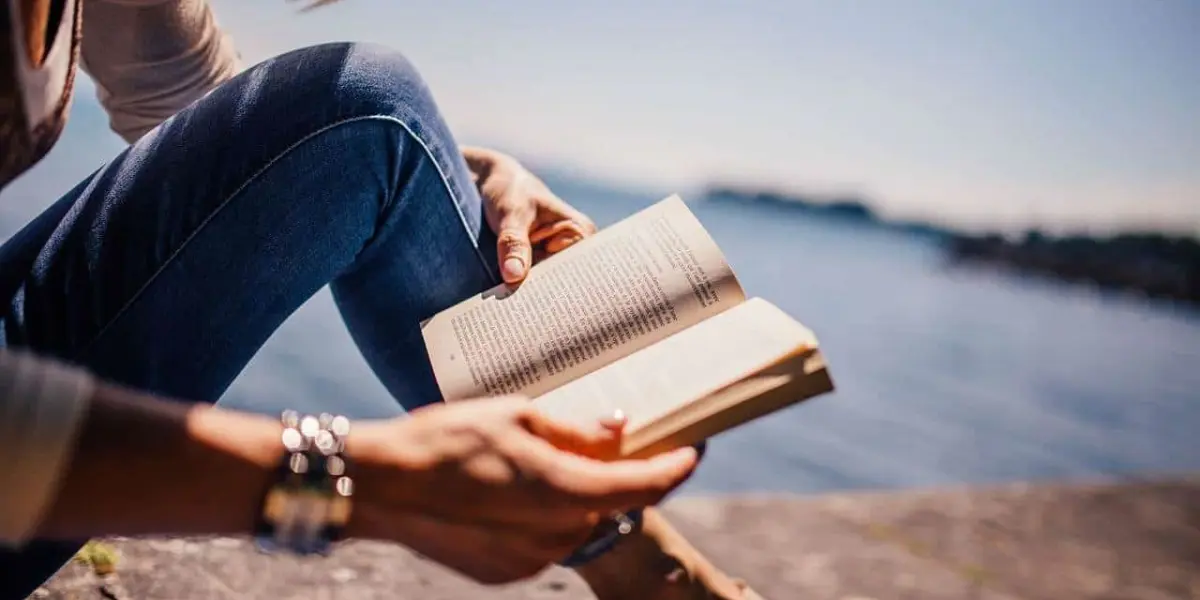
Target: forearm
{"x":144,"y":465}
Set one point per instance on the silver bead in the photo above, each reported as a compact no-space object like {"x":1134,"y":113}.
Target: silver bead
{"x":624,"y":523}
{"x":335,"y":466}
{"x":290,"y":419}
{"x":344,"y":486}
{"x":309,"y":426}
{"x":292,"y":440}
{"x":325,"y":442}
{"x":298,"y":463}
{"x":340,"y":426}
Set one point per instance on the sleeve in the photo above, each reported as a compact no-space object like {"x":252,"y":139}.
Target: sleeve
{"x":42,"y":405}
{"x":152,"y":58}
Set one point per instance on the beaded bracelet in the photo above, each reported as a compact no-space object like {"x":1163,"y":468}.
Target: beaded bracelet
{"x":306,"y":509}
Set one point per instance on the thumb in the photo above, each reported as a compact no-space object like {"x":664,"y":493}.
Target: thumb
{"x":512,"y":242}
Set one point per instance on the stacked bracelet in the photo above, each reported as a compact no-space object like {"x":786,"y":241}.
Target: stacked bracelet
{"x":306,"y":509}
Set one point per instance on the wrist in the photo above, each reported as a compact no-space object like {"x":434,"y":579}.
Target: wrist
{"x":249,"y":451}
{"x":480,"y":160}
{"x":308,"y":504}
{"x":387,"y":466}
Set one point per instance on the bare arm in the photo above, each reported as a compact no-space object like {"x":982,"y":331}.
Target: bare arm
{"x":143,"y":465}
{"x":83,"y":458}
{"x":152,"y":58}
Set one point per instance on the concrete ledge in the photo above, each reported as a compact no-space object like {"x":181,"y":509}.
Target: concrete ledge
{"x":1130,"y":540}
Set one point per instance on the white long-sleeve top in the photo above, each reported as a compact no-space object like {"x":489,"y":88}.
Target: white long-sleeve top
{"x":152,"y":58}
{"x":42,"y":404}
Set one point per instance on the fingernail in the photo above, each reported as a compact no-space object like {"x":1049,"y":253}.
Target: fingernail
{"x":514,"y":268}
{"x":613,"y":420}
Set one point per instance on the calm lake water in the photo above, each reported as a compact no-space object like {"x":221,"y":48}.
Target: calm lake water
{"x":944,"y":376}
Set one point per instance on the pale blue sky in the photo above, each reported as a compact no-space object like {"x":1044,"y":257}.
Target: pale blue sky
{"x":1064,"y":111}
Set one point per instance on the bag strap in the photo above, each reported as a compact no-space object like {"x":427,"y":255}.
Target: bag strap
{"x":22,"y":142}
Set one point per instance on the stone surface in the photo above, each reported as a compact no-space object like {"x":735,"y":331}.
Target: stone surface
{"x":1133,"y":540}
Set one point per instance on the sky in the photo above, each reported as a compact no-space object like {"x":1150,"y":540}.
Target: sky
{"x":1065,"y":113}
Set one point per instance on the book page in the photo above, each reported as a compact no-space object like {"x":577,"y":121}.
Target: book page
{"x":630,"y":285}
{"x":668,"y":377}
{"x":796,"y":378}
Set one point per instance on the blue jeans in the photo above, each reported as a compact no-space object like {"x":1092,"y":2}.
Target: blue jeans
{"x":168,"y":268}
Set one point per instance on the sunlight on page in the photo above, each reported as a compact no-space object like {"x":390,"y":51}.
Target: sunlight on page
{"x":686,"y":367}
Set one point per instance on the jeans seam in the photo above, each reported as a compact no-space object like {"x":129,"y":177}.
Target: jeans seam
{"x":254,"y":176}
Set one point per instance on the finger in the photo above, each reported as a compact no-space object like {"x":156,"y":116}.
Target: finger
{"x":556,"y":237}
{"x":555,"y":229}
{"x":561,"y":242}
{"x":615,"y":422}
{"x":513,"y":246}
{"x":555,"y":209}
{"x":605,"y":486}
{"x":626,"y":484}
{"x":586,"y":225}
{"x":601,"y":442}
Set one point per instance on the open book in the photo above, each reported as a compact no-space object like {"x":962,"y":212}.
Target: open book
{"x":647,"y":317}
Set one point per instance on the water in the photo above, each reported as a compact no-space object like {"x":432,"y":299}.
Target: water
{"x":944,"y":376}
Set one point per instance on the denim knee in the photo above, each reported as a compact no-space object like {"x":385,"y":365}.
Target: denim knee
{"x":324,"y":85}
{"x":378,"y":80}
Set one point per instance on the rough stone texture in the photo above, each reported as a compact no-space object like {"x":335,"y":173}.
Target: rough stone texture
{"x":1135,"y":540}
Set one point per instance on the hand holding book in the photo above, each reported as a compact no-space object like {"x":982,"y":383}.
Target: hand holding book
{"x":530,"y":221}
{"x":420,"y":481}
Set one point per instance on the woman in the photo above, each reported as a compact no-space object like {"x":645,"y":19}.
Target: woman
{"x":168,"y":268}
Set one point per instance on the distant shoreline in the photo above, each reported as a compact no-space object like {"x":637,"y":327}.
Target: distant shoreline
{"x":1155,"y":265}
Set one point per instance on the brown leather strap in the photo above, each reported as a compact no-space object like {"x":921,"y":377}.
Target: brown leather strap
{"x":22,"y":143}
